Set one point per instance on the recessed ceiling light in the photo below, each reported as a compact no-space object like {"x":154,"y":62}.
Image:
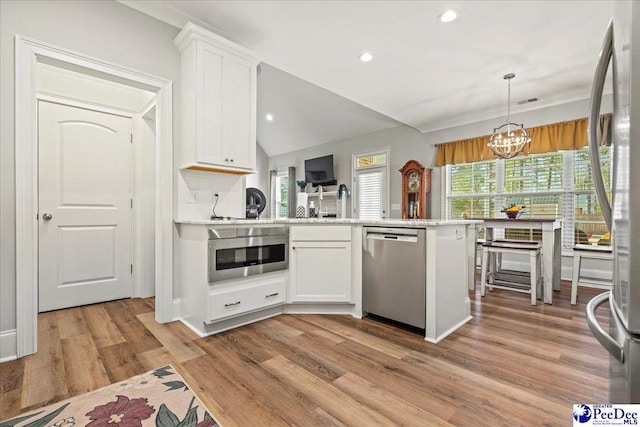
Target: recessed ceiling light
{"x":365,"y":56}
{"x":269,"y":117}
{"x":448,"y":15}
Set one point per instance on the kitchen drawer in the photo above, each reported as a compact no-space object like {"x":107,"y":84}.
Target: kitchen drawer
{"x":321,"y":232}
{"x":237,"y":299}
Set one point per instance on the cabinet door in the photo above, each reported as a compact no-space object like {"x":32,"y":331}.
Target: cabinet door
{"x":240,"y":113}
{"x":210,"y":111}
{"x":320,"y":271}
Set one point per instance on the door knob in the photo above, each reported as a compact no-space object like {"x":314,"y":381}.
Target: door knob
{"x":47,"y":216}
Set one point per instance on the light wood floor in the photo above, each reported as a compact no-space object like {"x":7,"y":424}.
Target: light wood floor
{"x":513,"y":364}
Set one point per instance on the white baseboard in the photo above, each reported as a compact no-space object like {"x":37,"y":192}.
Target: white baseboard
{"x":8,"y":346}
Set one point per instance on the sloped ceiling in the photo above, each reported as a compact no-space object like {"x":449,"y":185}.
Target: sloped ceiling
{"x":425,"y":74}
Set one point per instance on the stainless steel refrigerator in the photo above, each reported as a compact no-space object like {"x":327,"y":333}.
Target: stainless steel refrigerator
{"x":621,"y":47}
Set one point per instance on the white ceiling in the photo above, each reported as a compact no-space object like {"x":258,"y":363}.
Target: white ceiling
{"x":425,"y":74}
{"x":306,"y":115}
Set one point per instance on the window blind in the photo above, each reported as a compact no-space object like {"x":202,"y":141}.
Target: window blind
{"x":551,"y":185}
{"x":369,"y":194}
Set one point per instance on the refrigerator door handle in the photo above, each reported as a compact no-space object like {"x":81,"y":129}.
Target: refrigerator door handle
{"x":606,"y":53}
{"x":601,"y":335}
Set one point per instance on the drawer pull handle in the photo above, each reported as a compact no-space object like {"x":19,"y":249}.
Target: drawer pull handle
{"x":272,"y":295}
{"x":231,"y":304}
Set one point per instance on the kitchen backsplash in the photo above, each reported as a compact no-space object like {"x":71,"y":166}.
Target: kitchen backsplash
{"x":196,"y":194}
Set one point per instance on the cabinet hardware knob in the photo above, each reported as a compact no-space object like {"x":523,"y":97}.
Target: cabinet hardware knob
{"x":232,"y":304}
{"x":226,"y":160}
{"x":47,"y":216}
{"x":293,"y":247}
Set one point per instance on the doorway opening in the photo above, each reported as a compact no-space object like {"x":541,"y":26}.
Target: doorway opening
{"x":155,"y":121}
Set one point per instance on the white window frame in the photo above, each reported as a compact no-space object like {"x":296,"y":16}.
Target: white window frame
{"x":385,"y":184}
{"x":567,"y":194}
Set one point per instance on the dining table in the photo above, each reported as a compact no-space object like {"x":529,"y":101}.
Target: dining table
{"x":551,"y":246}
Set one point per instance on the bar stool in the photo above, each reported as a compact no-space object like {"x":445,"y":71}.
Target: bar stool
{"x":489,"y":276}
{"x":588,"y":252}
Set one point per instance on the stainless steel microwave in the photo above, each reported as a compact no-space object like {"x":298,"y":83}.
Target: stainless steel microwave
{"x":246,"y":251}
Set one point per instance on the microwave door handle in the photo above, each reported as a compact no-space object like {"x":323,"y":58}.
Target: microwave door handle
{"x":606,"y":53}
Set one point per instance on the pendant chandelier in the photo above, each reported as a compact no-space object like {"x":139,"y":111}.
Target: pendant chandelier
{"x":508,"y":140}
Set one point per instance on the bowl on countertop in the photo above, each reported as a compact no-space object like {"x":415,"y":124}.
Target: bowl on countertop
{"x":513,"y":214}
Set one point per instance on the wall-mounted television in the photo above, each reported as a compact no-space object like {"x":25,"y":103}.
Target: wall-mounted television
{"x":319,"y":171}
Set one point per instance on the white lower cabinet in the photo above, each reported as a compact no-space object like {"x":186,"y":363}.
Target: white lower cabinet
{"x":320,"y":270}
{"x":237,"y":299}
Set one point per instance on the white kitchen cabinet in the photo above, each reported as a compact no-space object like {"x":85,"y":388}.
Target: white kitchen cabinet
{"x":320,"y":264}
{"x":237,"y":299}
{"x":218,"y":103}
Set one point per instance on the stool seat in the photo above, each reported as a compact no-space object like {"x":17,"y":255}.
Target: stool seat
{"x":488,"y":274}
{"x":588,"y":252}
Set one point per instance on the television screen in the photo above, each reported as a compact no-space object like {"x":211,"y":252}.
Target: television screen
{"x":319,"y":171}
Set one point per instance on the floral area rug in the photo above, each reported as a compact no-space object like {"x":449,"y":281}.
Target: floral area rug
{"x":158,"y":398}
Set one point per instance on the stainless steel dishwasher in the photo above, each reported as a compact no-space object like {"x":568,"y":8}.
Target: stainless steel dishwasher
{"x":394,"y":274}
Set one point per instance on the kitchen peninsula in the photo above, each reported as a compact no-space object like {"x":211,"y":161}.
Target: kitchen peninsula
{"x":321,"y":273}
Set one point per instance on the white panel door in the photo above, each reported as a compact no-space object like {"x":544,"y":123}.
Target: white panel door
{"x":85,"y":236}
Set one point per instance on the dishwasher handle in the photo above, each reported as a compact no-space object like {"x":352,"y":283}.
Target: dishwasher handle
{"x":393,"y":237}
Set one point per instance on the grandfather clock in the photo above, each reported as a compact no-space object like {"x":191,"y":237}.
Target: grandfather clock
{"x":416,"y":191}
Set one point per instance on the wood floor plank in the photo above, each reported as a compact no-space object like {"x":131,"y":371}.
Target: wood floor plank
{"x":269,"y":390}
{"x":103,"y":331}
{"x":247,"y":411}
{"x":11,"y":378}
{"x":388,"y":404}
{"x":370,"y":341}
{"x":70,"y":322}
{"x":120,"y":362}
{"x":44,"y":378}
{"x":331,"y":399}
{"x":156,"y":358}
{"x":174,"y":336}
{"x":305,"y":356}
{"x":512,"y":364}
{"x":383,"y":373}
{"x":83,"y":367}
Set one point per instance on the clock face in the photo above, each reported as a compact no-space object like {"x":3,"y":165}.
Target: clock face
{"x":413,"y":182}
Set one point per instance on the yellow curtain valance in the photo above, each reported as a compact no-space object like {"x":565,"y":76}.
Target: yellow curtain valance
{"x":561,"y":136}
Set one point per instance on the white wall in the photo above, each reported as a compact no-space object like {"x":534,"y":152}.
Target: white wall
{"x":101,"y":29}
{"x":260,"y":180}
{"x":405,"y":143}
{"x":197,"y":190}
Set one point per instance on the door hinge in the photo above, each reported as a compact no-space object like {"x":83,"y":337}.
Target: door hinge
{"x":131,"y":139}
{"x":131,"y":268}
{"x":37,"y":216}
{"x":131,"y":203}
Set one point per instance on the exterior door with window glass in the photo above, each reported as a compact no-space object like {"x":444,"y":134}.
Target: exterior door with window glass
{"x":371,"y":194}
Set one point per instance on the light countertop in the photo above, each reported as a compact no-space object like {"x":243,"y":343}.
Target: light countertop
{"x":344,"y":221}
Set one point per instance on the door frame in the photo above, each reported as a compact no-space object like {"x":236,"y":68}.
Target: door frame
{"x":27,"y":53}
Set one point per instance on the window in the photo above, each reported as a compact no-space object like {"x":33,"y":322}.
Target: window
{"x":588,"y":221}
{"x":553,"y":185}
{"x":282,"y":195}
{"x":371,"y":185}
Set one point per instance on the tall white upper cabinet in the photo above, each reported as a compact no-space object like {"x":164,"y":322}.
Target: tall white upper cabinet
{"x":218,"y":105}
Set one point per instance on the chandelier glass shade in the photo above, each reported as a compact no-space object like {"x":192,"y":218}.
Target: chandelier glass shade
{"x":508,"y":140}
